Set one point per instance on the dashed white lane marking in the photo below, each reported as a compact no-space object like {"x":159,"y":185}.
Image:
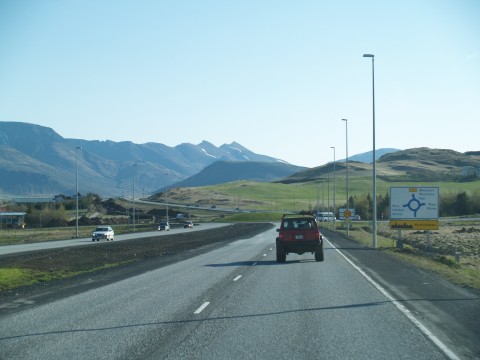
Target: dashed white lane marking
{"x":449,"y":353}
{"x":264,"y":255}
{"x":201,"y":308}
{"x":237,"y":278}
{"x":255,"y":263}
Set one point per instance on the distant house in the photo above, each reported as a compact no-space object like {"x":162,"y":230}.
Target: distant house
{"x":61,"y":198}
{"x":12,"y":220}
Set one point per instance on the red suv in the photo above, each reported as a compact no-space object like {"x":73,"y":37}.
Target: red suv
{"x":299,"y":234}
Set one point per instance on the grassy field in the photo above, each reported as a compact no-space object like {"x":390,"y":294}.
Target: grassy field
{"x":302,"y":196}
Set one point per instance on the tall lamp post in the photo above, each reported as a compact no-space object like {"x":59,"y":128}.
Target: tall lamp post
{"x":133,"y":193}
{"x":76,"y":194}
{"x":334,"y":187}
{"x":374,"y":175}
{"x":323,"y":194}
{"x":346,"y":151}
{"x":328,"y":192}
{"x":166,"y":197}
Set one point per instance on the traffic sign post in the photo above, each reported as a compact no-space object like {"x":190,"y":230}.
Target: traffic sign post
{"x":414,"y":224}
{"x":414,"y":203}
{"x":345,"y":215}
{"x":414,"y":208}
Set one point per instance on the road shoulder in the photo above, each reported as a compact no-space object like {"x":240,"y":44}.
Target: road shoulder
{"x":451,"y":312}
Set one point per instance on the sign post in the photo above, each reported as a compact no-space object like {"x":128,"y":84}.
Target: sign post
{"x":346,"y":216}
{"x":414,"y":208}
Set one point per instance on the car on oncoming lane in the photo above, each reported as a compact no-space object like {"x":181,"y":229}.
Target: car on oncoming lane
{"x":165,"y":225}
{"x":103,"y":232}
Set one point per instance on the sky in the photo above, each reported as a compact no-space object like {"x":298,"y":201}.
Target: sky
{"x":275,"y":76}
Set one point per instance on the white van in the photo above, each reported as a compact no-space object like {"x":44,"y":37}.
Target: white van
{"x":325,"y":216}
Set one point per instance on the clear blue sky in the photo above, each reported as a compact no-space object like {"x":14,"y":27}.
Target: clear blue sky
{"x":275,"y":76}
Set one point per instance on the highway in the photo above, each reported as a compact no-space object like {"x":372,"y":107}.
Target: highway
{"x":235,"y":302}
{"x":46,"y":245}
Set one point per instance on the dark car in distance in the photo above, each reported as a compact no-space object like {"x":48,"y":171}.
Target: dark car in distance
{"x":188,"y":224}
{"x":164,"y":226}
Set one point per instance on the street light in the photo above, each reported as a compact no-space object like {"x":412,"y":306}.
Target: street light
{"x":334,"y":187}
{"x":328,"y":191}
{"x":133,"y":197}
{"x":166,"y":196}
{"x":76,"y":195}
{"x":323,"y":194}
{"x":374,"y":175}
{"x":346,"y":151}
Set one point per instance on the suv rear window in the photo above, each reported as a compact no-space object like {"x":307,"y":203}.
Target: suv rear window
{"x":303,"y":223}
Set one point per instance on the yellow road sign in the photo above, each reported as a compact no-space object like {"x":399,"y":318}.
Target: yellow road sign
{"x":414,"y":224}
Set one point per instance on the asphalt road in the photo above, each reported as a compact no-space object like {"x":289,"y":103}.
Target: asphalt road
{"x":19,"y":248}
{"x":234,"y":302}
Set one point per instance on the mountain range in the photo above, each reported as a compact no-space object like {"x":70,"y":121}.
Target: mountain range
{"x":36,"y":161}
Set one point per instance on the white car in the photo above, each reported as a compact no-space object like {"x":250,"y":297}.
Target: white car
{"x":103,"y":232}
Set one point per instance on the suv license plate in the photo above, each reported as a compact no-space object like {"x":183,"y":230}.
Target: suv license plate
{"x":299,"y":237}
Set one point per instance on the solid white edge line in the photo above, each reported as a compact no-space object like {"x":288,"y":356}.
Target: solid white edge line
{"x":449,"y":353}
{"x":237,"y":278}
{"x":201,"y":308}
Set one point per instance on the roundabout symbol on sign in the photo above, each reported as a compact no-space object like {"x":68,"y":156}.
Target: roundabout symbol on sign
{"x":414,"y":205}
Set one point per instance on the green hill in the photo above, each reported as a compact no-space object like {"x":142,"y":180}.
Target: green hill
{"x":318,"y":187}
{"x":418,"y":164}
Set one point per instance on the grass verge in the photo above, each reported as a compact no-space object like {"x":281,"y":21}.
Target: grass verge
{"x":11,"y":278}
